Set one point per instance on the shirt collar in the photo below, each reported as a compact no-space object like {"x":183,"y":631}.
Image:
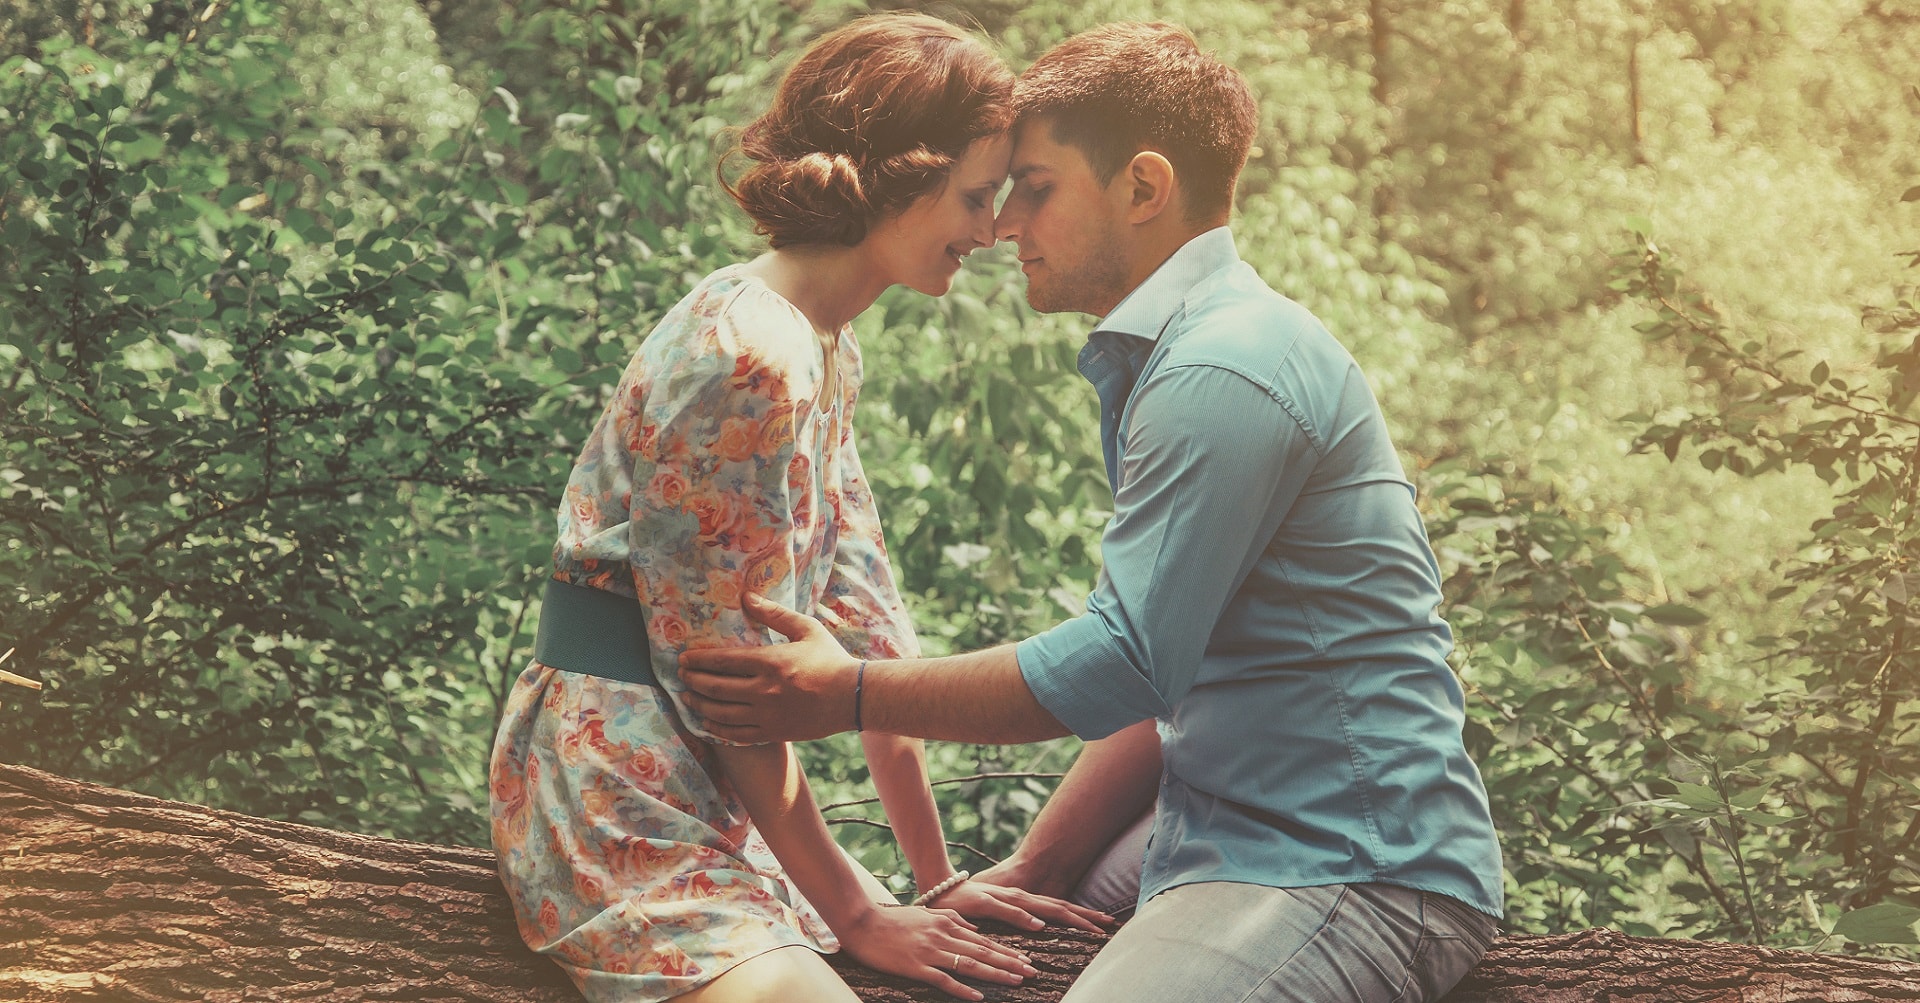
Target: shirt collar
{"x":1145,"y":311}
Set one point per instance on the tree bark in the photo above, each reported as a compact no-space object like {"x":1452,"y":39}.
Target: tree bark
{"x":109,"y":895}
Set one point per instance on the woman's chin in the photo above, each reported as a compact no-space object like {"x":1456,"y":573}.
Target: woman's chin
{"x":934,"y":285}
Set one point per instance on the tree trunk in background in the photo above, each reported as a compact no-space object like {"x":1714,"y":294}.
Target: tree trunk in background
{"x":108,"y":895}
{"x":1380,"y":46}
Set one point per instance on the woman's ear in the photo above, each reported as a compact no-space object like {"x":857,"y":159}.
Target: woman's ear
{"x":1151,"y":177}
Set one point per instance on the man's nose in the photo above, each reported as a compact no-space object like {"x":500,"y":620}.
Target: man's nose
{"x":1006,"y":226}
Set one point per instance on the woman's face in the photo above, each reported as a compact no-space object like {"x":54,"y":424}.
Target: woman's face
{"x":921,"y":247}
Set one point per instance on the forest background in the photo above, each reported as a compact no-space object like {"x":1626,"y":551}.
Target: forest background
{"x":305,"y":306}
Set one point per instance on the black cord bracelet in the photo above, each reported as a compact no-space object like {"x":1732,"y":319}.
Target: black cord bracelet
{"x":859,"y":683}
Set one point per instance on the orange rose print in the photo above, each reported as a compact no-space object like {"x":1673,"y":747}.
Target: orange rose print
{"x":739,"y":437}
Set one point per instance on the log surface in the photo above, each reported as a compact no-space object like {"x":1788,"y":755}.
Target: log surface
{"x":110,"y":895}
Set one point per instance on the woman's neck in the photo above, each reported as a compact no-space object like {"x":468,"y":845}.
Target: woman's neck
{"x":830,"y":285}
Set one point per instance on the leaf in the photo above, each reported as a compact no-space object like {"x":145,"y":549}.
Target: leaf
{"x":1885,"y":923}
{"x":1699,"y":797}
{"x":1676,"y":614}
{"x":1901,"y":589}
{"x":1681,"y":838}
{"x":1912,"y":195}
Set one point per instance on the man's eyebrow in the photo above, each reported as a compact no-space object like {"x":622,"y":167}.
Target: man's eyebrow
{"x":1023,"y":170}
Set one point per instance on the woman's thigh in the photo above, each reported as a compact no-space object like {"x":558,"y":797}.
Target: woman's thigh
{"x":785,"y":975}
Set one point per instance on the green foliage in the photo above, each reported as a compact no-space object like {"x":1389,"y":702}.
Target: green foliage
{"x":304,"y":307}
{"x":1842,"y":704}
{"x":229,"y":407}
{"x":1576,"y":702}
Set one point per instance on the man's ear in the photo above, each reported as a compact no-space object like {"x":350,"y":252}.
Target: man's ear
{"x":1151,"y":179}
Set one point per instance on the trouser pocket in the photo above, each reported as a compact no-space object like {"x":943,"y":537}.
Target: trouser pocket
{"x":1453,"y":938}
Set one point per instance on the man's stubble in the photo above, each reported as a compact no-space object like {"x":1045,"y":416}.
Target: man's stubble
{"x":1093,"y":284}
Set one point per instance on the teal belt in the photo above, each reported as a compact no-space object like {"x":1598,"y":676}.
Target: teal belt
{"x":593,"y":631}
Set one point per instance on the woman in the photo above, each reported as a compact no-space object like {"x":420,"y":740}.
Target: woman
{"x":648,"y":861}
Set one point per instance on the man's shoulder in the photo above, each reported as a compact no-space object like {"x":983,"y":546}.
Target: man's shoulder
{"x":1235,"y":320}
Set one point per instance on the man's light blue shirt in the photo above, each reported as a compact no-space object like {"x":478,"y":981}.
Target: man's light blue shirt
{"x":1268,"y":595}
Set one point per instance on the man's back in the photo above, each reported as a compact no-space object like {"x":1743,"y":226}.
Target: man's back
{"x":1269,"y":583}
{"x":1323,"y":710}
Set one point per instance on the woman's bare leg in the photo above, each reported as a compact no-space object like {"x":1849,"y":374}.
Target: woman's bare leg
{"x":875,"y":889}
{"x":785,"y":975}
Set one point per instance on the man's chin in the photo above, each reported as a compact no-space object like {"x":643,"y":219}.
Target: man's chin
{"x":1043,"y":300}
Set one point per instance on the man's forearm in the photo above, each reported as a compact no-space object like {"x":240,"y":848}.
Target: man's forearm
{"x":978,"y":697}
{"x":1113,"y":783}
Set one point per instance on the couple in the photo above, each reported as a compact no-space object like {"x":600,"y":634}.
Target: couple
{"x":1274,"y":769}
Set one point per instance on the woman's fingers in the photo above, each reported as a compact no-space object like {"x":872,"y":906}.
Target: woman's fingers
{"x":990,"y":953}
{"x":947,"y":984}
{"x":975,"y":962}
{"x":933,"y":946}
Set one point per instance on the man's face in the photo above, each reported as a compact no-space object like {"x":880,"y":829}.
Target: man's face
{"x":1070,"y":229}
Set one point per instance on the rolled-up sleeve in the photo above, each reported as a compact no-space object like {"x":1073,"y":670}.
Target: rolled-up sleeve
{"x":1211,"y":464}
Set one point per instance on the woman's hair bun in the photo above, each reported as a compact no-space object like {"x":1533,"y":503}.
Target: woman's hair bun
{"x":816,"y":197}
{"x":872,"y":116}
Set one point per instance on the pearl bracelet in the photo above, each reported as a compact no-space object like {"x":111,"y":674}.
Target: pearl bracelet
{"x":940,"y":889}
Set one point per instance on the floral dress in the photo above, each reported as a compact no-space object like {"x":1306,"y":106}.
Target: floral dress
{"x":716,"y":470}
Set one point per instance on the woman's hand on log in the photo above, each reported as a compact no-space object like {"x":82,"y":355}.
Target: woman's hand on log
{"x":932,"y":946}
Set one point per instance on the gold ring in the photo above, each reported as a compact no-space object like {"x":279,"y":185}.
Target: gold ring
{"x":956,"y":961}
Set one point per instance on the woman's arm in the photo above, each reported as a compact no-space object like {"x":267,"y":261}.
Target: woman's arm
{"x":922,"y":944}
{"x":864,"y":611}
{"x":777,"y":798}
{"x":899,"y":768}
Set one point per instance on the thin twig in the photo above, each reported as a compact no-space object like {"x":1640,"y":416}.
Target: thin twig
{"x":976,"y":851}
{"x":1647,"y":715}
{"x":953,"y":780}
{"x":8,"y":677}
{"x":1731,"y":835}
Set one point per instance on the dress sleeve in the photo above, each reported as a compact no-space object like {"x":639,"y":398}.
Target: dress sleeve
{"x":861,"y":605}
{"x":717,"y":466}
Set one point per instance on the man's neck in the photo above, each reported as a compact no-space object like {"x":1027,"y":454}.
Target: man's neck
{"x":1152,"y":247}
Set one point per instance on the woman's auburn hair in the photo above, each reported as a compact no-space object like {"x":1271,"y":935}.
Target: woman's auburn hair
{"x":872,"y":116}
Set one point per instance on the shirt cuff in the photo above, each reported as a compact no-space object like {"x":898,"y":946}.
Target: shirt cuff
{"x":1080,"y":674}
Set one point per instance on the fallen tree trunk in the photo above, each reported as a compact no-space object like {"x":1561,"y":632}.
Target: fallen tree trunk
{"x":109,"y":895}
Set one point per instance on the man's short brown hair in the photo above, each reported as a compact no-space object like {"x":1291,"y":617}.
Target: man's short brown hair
{"x":1122,"y":88}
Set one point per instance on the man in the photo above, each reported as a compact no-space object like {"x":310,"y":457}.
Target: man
{"x":1261,"y":656}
